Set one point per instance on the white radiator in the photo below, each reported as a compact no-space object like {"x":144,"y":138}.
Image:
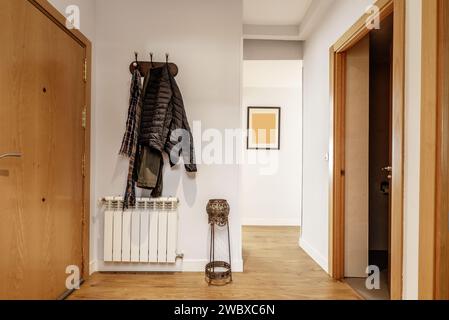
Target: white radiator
{"x":145,"y":234}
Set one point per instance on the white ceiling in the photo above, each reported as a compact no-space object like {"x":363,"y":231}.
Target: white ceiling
{"x":274,"y":12}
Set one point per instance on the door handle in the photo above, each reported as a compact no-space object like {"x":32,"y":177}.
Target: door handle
{"x":11,"y":155}
{"x":388,"y":169}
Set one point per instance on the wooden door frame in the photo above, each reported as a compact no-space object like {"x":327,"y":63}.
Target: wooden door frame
{"x":53,"y":14}
{"x":337,"y":142}
{"x":434,"y":139}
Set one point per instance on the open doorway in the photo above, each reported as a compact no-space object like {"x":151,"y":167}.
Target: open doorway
{"x":271,"y":176}
{"x":272,"y":101}
{"x":368,"y":160}
{"x":367,"y":154}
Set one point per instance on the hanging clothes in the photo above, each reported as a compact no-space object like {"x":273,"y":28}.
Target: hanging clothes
{"x":131,"y":136}
{"x":163,"y":113}
{"x":159,"y":113}
{"x":149,"y":170}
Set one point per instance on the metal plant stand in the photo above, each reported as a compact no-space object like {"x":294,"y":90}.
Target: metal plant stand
{"x":218,"y":272}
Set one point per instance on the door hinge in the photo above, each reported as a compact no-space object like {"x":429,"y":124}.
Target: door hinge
{"x":84,"y":118}
{"x":83,"y":165}
{"x":85,"y":70}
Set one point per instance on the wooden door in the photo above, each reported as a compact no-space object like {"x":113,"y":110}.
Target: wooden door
{"x":357,"y":159}
{"x":442,"y":219}
{"x":42,"y":95}
{"x":337,"y":141}
{"x":434,"y":162}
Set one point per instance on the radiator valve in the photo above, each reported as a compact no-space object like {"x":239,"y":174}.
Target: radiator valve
{"x":180,"y":256}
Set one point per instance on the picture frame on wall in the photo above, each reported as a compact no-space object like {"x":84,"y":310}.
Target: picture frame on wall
{"x":264,"y":128}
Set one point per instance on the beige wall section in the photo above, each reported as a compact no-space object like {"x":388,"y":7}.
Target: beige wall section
{"x":412,"y":147}
{"x":357,"y":160}
{"x":272,"y":50}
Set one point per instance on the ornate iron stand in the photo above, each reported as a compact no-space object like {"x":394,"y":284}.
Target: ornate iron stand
{"x":218,"y":211}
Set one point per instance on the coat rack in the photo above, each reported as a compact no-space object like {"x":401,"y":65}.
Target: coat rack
{"x":145,"y":66}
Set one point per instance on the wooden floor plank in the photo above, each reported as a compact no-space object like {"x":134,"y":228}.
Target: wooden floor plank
{"x":275,"y":268}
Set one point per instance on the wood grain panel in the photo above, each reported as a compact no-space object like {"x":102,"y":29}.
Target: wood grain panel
{"x":434,"y":193}
{"x":357,"y":159}
{"x":442,"y":219}
{"x":54,"y":15}
{"x":428,"y":150}
{"x":42,"y":95}
{"x":397,"y":182}
{"x":275,"y":268}
{"x":337,"y":204}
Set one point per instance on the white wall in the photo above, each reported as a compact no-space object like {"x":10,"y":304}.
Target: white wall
{"x":340,"y":16}
{"x":206,"y":44}
{"x":274,"y":199}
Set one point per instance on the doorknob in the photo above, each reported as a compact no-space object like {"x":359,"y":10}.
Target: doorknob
{"x":11,"y":155}
{"x":388,"y":169}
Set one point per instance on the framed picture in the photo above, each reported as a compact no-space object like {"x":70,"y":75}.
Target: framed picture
{"x":264,"y":128}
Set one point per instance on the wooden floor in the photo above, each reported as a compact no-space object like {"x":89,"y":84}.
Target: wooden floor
{"x":275,"y":268}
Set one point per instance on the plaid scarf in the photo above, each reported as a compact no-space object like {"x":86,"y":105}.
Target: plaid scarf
{"x":131,"y":136}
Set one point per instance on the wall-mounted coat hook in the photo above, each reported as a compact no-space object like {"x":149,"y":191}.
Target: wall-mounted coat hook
{"x":136,"y":62}
{"x":144,"y":66}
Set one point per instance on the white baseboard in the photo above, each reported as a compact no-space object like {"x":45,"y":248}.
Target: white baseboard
{"x":237,"y":266}
{"x":314,"y":254}
{"x":271,"y":222}
{"x":180,"y":266}
{"x":93,"y":267}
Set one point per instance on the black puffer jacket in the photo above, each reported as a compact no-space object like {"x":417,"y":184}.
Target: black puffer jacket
{"x":162,"y":114}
